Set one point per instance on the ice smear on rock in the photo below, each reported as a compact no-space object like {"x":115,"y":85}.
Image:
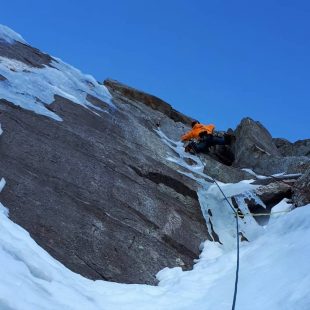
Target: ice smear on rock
{"x":220,"y":218}
{"x":35,"y":88}
{"x":10,"y":36}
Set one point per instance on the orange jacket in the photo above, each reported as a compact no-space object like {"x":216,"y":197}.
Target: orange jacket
{"x":197,"y":129}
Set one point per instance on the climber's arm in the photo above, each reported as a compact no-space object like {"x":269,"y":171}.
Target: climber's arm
{"x":189,"y":135}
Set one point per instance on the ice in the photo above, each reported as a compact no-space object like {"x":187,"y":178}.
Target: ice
{"x":10,"y":36}
{"x":35,"y":88}
{"x":277,"y":175}
{"x":250,"y":171}
{"x":2,"y":184}
{"x":177,"y":147}
{"x":220,"y":216}
{"x":284,"y":175}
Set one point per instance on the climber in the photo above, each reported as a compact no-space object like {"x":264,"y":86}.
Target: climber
{"x":201,"y":137}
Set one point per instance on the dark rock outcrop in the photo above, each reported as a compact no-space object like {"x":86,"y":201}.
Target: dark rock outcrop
{"x":25,"y":53}
{"x":223,"y":173}
{"x":291,"y":165}
{"x":253,"y":143}
{"x":223,"y":154}
{"x":155,"y":103}
{"x":273,"y":193}
{"x":254,"y":148}
{"x":301,"y":190}
{"x":298,"y":148}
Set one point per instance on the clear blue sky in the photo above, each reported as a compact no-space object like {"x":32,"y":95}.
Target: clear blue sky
{"x":217,"y":61}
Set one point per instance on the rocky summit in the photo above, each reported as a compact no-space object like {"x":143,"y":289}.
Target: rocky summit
{"x":88,"y":173}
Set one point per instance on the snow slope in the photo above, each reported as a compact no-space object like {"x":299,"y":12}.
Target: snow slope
{"x":34,"y":88}
{"x":274,"y":270}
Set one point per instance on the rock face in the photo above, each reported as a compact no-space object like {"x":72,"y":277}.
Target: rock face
{"x":96,"y":189}
{"x":96,"y":197}
{"x":289,"y":164}
{"x":25,"y":54}
{"x":224,"y":173}
{"x":273,"y":193}
{"x":301,"y":190}
{"x":121,"y":90}
{"x":298,"y":148}
{"x":254,"y":148}
{"x":253,"y":143}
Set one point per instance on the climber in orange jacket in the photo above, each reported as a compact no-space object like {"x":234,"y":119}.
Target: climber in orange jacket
{"x":201,"y":138}
{"x":197,"y":129}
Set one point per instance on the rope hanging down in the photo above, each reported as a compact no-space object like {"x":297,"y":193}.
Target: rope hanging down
{"x":237,"y":230}
{"x":238,"y":243}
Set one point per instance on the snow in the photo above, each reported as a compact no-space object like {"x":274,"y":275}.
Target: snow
{"x":281,"y":208}
{"x":10,"y":36}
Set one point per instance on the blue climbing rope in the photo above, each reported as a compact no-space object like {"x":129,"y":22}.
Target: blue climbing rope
{"x":238,"y":245}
